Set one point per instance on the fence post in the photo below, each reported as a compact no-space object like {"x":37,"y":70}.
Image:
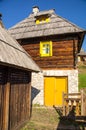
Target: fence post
{"x":82,"y":103}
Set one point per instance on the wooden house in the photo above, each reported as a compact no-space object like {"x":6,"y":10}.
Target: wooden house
{"x":82,"y":56}
{"x":53,"y":42}
{"x":16,"y":66}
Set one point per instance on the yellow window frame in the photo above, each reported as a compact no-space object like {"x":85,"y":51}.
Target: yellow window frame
{"x":45,"y":48}
{"x":42,"y":20}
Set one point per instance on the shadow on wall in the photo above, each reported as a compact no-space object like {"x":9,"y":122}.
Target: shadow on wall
{"x":34,"y":93}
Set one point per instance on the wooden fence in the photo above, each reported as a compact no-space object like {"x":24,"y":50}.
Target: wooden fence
{"x":74,"y":103}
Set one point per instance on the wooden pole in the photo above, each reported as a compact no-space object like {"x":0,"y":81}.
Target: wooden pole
{"x":82,"y":103}
{"x":6,"y":107}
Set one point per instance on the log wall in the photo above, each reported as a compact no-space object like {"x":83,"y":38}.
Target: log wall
{"x":64,"y":53}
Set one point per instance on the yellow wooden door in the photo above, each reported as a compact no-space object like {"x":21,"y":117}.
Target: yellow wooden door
{"x":49,"y":91}
{"x":60,"y":87}
{"x":54,"y":87}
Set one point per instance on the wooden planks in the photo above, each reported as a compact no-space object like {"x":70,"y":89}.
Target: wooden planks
{"x":64,"y":54}
{"x":15,"y":100}
{"x":5,"y":125}
{"x":1,"y":106}
{"x":20,"y":101}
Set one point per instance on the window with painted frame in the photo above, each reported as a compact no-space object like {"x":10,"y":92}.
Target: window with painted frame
{"x":45,"y":48}
{"x":42,"y":20}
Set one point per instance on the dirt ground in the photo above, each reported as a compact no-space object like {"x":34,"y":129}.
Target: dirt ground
{"x":42,"y":118}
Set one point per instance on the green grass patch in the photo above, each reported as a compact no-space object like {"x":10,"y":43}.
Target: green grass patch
{"x":82,"y":80}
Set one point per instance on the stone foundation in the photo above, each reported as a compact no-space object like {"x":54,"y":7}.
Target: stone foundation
{"x":38,"y":83}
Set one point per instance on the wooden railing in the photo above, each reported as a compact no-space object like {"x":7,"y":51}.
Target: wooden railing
{"x":74,"y":103}
{"x":83,"y":102}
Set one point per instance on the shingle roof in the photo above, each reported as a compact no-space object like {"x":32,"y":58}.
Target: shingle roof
{"x":28,"y":28}
{"x":11,"y":53}
{"x":82,"y":53}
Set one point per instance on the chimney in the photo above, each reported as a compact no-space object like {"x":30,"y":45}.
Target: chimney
{"x":1,"y":24}
{"x":35,"y":10}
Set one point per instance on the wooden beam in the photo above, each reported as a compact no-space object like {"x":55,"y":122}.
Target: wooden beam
{"x":6,"y":107}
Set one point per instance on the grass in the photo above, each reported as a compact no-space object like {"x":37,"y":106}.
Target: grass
{"x":82,"y":81}
{"x":82,"y":76}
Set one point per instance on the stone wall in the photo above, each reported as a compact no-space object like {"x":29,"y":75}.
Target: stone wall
{"x":37,"y":88}
{"x":38,"y":83}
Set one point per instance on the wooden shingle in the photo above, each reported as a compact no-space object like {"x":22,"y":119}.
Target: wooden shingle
{"x":12,"y":54}
{"x":57,"y":25}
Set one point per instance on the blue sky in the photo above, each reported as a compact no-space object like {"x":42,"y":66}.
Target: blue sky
{"x":14,"y":11}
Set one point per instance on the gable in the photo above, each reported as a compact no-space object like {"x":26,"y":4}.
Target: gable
{"x":56,"y":26}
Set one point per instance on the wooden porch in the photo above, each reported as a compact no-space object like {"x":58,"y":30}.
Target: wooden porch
{"x":74,"y":102}
{"x":73,"y":109}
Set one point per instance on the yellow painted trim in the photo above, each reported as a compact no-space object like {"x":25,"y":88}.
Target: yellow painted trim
{"x":42,"y":43}
{"x":42,"y":20}
{"x":37,"y":21}
{"x":47,"y":20}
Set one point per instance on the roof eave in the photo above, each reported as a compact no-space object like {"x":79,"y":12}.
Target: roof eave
{"x":20,"y":67}
{"x":77,"y":32}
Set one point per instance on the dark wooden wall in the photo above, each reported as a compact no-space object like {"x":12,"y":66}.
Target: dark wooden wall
{"x":15,"y":96}
{"x":64,"y":53}
{"x":2,"y":82}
